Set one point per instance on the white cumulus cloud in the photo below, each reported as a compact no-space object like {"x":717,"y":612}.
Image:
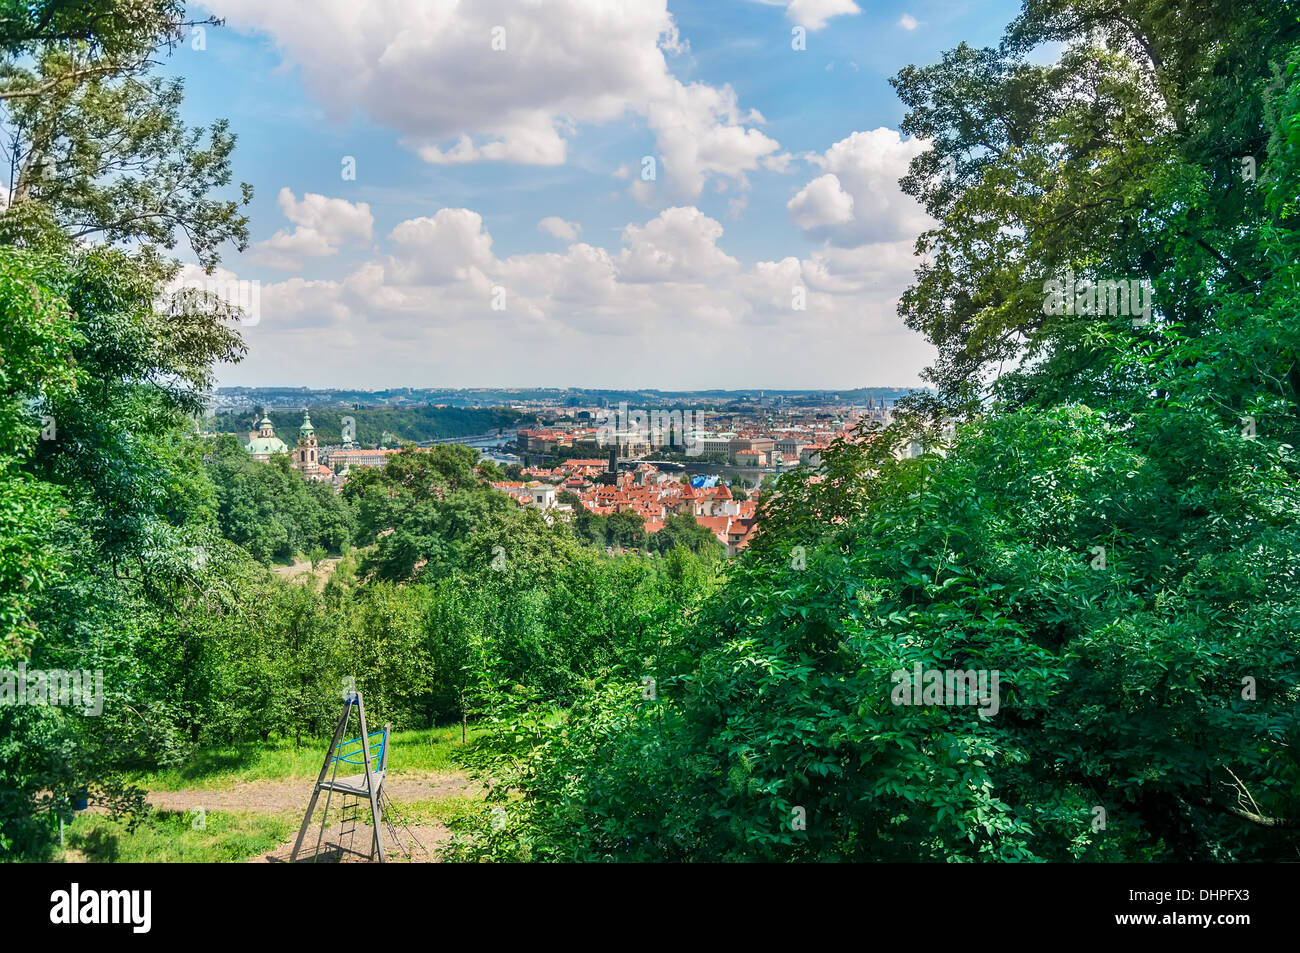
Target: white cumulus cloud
{"x":822,"y":201}
{"x":557,"y":227}
{"x":813,"y":14}
{"x":678,"y":245}
{"x":322,"y":226}
{"x":505,"y":81}
{"x":857,"y":200}
{"x":669,"y":307}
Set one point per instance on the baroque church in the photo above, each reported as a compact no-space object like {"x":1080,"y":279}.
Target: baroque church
{"x":264,"y":444}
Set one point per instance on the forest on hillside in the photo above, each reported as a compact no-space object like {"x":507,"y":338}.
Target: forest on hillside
{"x":370,"y":424}
{"x":1112,"y":528}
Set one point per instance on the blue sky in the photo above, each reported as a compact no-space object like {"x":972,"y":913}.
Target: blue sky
{"x":461,"y":150}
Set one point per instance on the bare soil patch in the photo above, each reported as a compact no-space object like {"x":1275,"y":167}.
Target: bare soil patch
{"x":303,"y":568}
{"x":271,"y":796}
{"x":417,"y":844}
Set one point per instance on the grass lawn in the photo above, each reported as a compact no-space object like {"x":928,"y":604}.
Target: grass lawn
{"x":242,"y":826}
{"x":431,"y":749}
{"x":237,"y":833}
{"x":176,"y":837}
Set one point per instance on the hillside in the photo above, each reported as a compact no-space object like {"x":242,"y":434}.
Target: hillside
{"x":407,"y":424}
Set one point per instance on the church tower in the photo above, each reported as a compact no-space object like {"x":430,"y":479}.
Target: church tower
{"x":305,"y":455}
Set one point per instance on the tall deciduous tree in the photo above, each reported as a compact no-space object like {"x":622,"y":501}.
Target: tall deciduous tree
{"x":88,"y":133}
{"x":1122,"y":160}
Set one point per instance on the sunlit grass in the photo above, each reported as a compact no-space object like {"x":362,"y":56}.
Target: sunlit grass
{"x":429,"y":749}
{"x":177,"y":837}
{"x":448,"y":809}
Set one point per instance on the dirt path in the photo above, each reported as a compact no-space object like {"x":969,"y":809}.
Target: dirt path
{"x":417,"y":844}
{"x":272,"y":796}
{"x":304,"y":568}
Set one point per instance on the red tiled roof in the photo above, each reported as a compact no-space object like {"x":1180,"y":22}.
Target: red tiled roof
{"x":717,"y":524}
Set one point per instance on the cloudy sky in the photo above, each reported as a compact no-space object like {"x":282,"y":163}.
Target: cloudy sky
{"x":599,"y":193}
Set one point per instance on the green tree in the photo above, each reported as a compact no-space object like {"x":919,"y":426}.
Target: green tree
{"x":111,"y":561}
{"x":626,"y":530}
{"x":101,"y":144}
{"x":270,"y":510}
{"x":1124,"y":565}
{"x":683,"y":530}
{"x":1121,"y":160}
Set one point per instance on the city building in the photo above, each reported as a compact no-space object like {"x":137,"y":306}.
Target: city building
{"x":344,"y":458}
{"x":790,"y":448}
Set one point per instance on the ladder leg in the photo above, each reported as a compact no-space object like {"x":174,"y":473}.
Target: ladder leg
{"x":376,"y":818}
{"x":324,"y":819}
{"x":315,"y":794}
{"x":306,"y":822}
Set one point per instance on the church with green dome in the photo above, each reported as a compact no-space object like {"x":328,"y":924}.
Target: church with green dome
{"x":263,"y":444}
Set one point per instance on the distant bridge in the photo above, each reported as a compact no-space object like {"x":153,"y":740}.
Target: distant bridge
{"x":475,"y":438}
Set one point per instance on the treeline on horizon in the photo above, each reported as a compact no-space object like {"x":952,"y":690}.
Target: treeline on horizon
{"x":1114,"y":529}
{"x":404,"y":424}
{"x":570,"y":396}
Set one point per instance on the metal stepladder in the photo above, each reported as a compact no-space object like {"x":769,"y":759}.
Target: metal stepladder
{"x":368,"y":785}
